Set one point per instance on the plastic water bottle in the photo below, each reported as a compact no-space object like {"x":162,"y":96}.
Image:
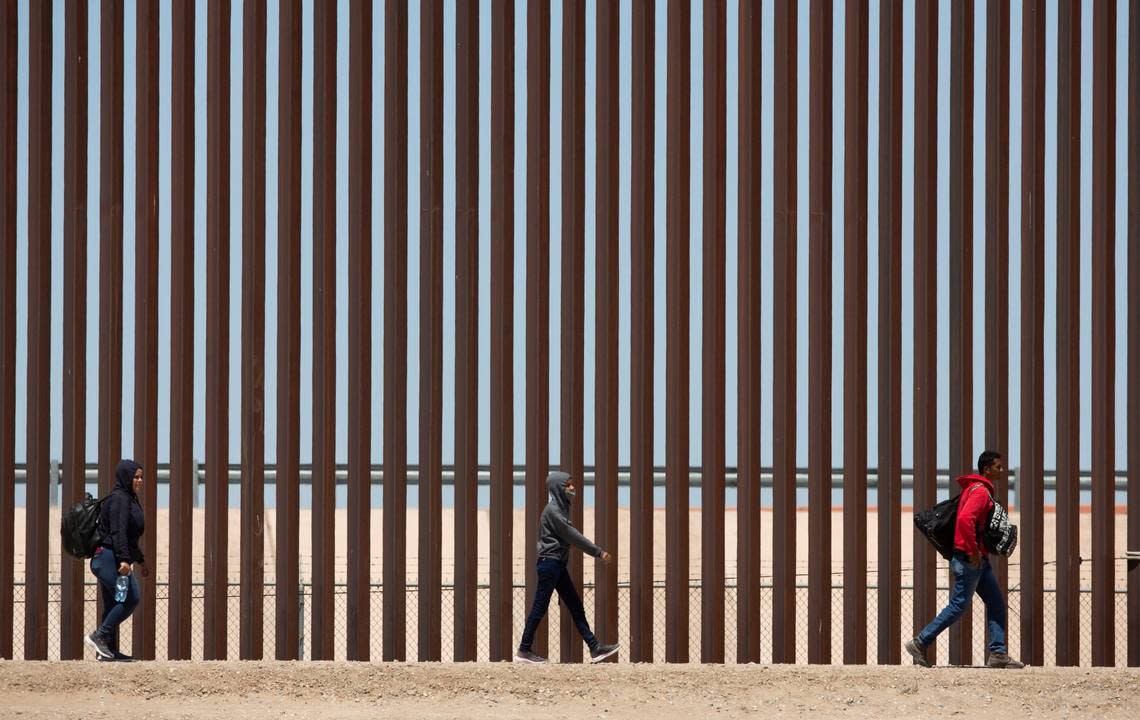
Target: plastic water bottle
{"x":121,"y":584}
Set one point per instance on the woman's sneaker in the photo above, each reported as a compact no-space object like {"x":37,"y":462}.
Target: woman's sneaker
{"x":98,"y":643}
{"x":529,"y":658}
{"x":602,"y":652}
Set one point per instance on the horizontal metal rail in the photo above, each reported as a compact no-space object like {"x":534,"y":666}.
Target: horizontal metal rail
{"x":484,"y":476}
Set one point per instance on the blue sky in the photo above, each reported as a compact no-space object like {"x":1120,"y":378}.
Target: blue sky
{"x":521,"y":121}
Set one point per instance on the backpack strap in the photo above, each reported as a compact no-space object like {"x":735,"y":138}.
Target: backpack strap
{"x":980,"y":529}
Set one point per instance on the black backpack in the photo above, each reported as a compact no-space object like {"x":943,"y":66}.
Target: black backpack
{"x":999,"y":535}
{"x":79,"y":531}
{"x":937,"y":525}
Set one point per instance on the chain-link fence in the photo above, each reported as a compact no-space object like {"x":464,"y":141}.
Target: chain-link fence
{"x":519,"y":611}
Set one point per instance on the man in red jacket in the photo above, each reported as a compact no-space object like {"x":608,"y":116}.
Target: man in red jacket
{"x":971,"y":566}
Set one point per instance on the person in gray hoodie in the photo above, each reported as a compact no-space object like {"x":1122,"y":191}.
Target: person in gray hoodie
{"x":555,"y":536}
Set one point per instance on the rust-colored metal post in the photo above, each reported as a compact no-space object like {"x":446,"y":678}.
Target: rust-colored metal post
{"x":38,"y":381}
{"x":182,"y":468}
{"x":1104,"y":336}
{"x":677,"y":336}
{"x":537,"y":287}
{"x":111,"y":239}
{"x":39,"y":331}
{"x":466,"y":326}
{"x":252,"y":591}
{"x":38,"y":340}
{"x":712,"y":337}
{"x":997,"y":248}
{"x":1133,"y":518}
{"x":888,"y":483}
{"x":1068,"y":329}
{"x":359,"y":601}
{"x":395,"y":328}
{"x":287,"y":629}
{"x":641,"y":327}
{"x":925,"y":301}
{"x":819,"y":334}
{"x":110,"y":242}
{"x":146,"y":308}
{"x":961,"y":271}
{"x":360,"y":322}
{"x":573,"y":276}
{"x":9,"y":27}
{"x":607,"y":306}
{"x":324,"y":329}
{"x":1030,"y":474}
{"x":855,"y":333}
{"x":502,"y":325}
{"x":431,"y":330}
{"x":784,"y":327}
{"x":217,"y":330}
{"x":749,"y":465}
{"x":74,"y":314}
{"x":888,"y":491}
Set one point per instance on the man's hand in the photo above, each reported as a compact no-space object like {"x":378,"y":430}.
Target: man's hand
{"x":124,"y":568}
{"x":976,"y":561}
{"x":607,"y":558}
{"x":143,"y":569}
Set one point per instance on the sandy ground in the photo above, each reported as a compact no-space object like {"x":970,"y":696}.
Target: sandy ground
{"x":252,"y":691}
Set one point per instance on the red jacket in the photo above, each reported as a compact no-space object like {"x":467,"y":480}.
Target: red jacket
{"x":974,"y":507}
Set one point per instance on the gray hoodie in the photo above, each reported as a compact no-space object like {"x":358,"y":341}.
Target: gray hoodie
{"x":555,"y":532}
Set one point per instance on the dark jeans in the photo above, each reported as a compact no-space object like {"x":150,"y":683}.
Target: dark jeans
{"x":552,"y":575}
{"x":967,"y":581}
{"x":106,"y":569}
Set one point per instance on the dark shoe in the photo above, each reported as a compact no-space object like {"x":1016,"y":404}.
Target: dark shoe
{"x":602,"y":652}
{"x":98,"y":643}
{"x":1003,"y":661}
{"x":528,"y":658}
{"x":117,"y":657}
{"x":917,"y":651}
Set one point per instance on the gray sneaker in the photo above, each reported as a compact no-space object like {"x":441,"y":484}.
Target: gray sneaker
{"x":602,"y":652}
{"x":98,"y":643}
{"x":1003,"y":661}
{"x":528,"y":658}
{"x":918,"y":652}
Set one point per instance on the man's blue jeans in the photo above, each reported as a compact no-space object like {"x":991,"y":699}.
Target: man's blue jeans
{"x":552,"y":576}
{"x":968,"y":580}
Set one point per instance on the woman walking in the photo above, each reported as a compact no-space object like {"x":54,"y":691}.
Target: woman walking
{"x":121,"y":524}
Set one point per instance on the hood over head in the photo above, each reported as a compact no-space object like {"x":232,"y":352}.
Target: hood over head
{"x":556,"y":487}
{"x":125,"y":475}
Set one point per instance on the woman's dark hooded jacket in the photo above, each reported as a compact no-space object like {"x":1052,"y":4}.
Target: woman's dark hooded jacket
{"x":121,"y":516}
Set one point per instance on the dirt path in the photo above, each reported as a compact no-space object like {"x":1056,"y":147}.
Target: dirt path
{"x":253,"y":691}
